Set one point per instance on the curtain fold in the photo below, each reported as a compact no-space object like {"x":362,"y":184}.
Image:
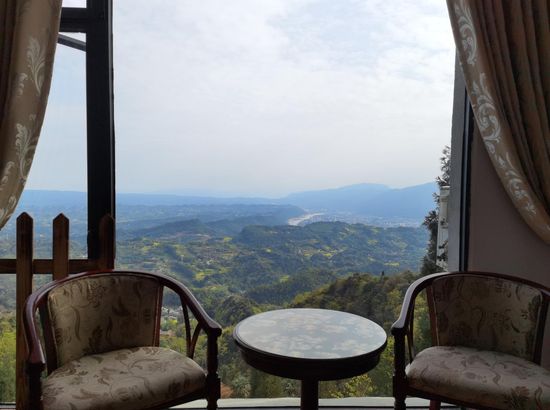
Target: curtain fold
{"x":28,"y":37}
{"x":503,"y":47}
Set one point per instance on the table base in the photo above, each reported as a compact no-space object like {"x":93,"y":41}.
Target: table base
{"x":309,"y":396}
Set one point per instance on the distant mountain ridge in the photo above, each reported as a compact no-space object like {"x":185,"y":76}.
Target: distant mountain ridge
{"x":360,"y":199}
{"x":369,"y":200}
{"x":345,"y":199}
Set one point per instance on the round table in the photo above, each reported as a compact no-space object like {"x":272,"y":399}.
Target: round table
{"x":310,"y":345}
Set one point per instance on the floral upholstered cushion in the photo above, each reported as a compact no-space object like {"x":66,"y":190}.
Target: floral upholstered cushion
{"x":126,"y":379}
{"x":96,"y":314}
{"x":487,"y":313}
{"x":490,"y":379}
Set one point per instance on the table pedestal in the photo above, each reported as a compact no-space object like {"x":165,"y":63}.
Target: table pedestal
{"x":309,"y":397}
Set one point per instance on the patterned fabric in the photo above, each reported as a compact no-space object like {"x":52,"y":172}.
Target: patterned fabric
{"x":491,"y":379}
{"x":126,"y":379}
{"x":102,"y":313}
{"x":502,"y":47}
{"x":28,"y":37}
{"x":487,"y":313}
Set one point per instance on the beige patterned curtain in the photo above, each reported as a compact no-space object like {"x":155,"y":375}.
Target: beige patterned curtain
{"x":28,"y":36}
{"x":504,"y":50}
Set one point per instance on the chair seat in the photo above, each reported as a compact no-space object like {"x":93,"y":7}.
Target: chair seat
{"x":487,"y":378}
{"x":126,"y":379}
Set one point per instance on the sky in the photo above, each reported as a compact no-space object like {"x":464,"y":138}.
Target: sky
{"x":261,"y":97}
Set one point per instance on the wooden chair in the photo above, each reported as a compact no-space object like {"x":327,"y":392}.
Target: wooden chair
{"x":487,"y":333}
{"x":101,"y":345}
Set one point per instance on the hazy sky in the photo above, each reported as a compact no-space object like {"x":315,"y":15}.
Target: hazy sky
{"x":262,"y":97}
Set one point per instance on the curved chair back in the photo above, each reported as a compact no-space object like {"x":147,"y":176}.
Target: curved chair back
{"x":100,"y":313}
{"x":96,"y":312}
{"x":487,"y":312}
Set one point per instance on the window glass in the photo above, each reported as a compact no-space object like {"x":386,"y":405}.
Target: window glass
{"x":281,"y":153}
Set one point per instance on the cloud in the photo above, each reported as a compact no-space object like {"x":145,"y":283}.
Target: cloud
{"x":272,"y":96}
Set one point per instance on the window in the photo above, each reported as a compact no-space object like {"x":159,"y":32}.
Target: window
{"x":230,"y":147}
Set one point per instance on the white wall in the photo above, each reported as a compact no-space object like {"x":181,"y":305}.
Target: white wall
{"x":500,"y":241}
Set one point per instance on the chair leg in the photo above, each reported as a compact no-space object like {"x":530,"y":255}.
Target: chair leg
{"x":435,"y":405}
{"x":212,"y":403}
{"x":213,"y":393}
{"x":399,"y":403}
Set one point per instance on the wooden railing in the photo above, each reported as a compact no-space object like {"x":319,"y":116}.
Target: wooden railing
{"x":59,"y":266}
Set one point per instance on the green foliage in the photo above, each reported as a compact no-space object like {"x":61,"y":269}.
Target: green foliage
{"x":378,"y":298}
{"x":359,"y":386}
{"x":235,"y":308}
{"x":274,"y":263}
{"x":445,"y":166}
{"x":287,"y":288}
{"x":431,"y":220}
{"x":7,"y":358}
{"x":266,"y":385}
{"x":237,"y":270}
{"x":241,"y":386}
{"x":429,"y":261}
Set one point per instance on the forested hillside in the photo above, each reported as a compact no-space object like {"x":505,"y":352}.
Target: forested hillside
{"x":261,"y":256}
{"x":376,"y":297}
{"x":247,"y":264}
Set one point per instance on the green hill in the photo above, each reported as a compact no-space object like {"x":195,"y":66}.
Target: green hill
{"x":377,"y":298}
{"x":262,"y":256}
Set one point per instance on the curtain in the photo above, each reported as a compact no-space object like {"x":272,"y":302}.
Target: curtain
{"x":503,"y":47}
{"x":28,"y":37}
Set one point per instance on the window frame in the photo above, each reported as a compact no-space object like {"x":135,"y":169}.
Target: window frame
{"x":462,"y":131}
{"x":96,"y":21}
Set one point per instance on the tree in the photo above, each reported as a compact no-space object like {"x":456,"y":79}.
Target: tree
{"x":445,"y":178}
{"x":7,"y":358}
{"x":241,"y":387}
{"x":431,"y":221}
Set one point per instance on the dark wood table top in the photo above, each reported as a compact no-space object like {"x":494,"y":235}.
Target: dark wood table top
{"x":310,"y":344}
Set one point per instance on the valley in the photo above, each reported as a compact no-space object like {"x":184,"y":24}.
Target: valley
{"x":244,"y":258}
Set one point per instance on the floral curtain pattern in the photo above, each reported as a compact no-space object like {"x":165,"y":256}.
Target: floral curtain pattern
{"x":504,"y":50}
{"x":28,"y":37}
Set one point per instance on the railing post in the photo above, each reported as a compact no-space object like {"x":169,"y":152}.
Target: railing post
{"x":60,"y":247}
{"x":24,"y":272}
{"x":107,"y":243}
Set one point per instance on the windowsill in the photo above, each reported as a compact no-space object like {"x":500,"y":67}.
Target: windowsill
{"x":282,"y":402}
{"x":294,"y":402}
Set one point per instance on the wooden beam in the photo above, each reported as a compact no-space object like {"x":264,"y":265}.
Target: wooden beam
{"x":60,"y":247}
{"x":106,"y":258}
{"x":71,"y":42}
{"x":74,"y":20}
{"x":24,"y":271}
{"x":45,"y":266}
{"x":8,"y":266}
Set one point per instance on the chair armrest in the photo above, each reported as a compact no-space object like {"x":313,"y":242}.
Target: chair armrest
{"x":210,"y":326}
{"x":36,"y":362}
{"x":402,"y":332}
{"x":212,"y":329}
{"x":399,"y":328}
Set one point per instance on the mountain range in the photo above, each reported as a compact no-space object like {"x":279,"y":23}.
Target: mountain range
{"x":373,"y":200}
